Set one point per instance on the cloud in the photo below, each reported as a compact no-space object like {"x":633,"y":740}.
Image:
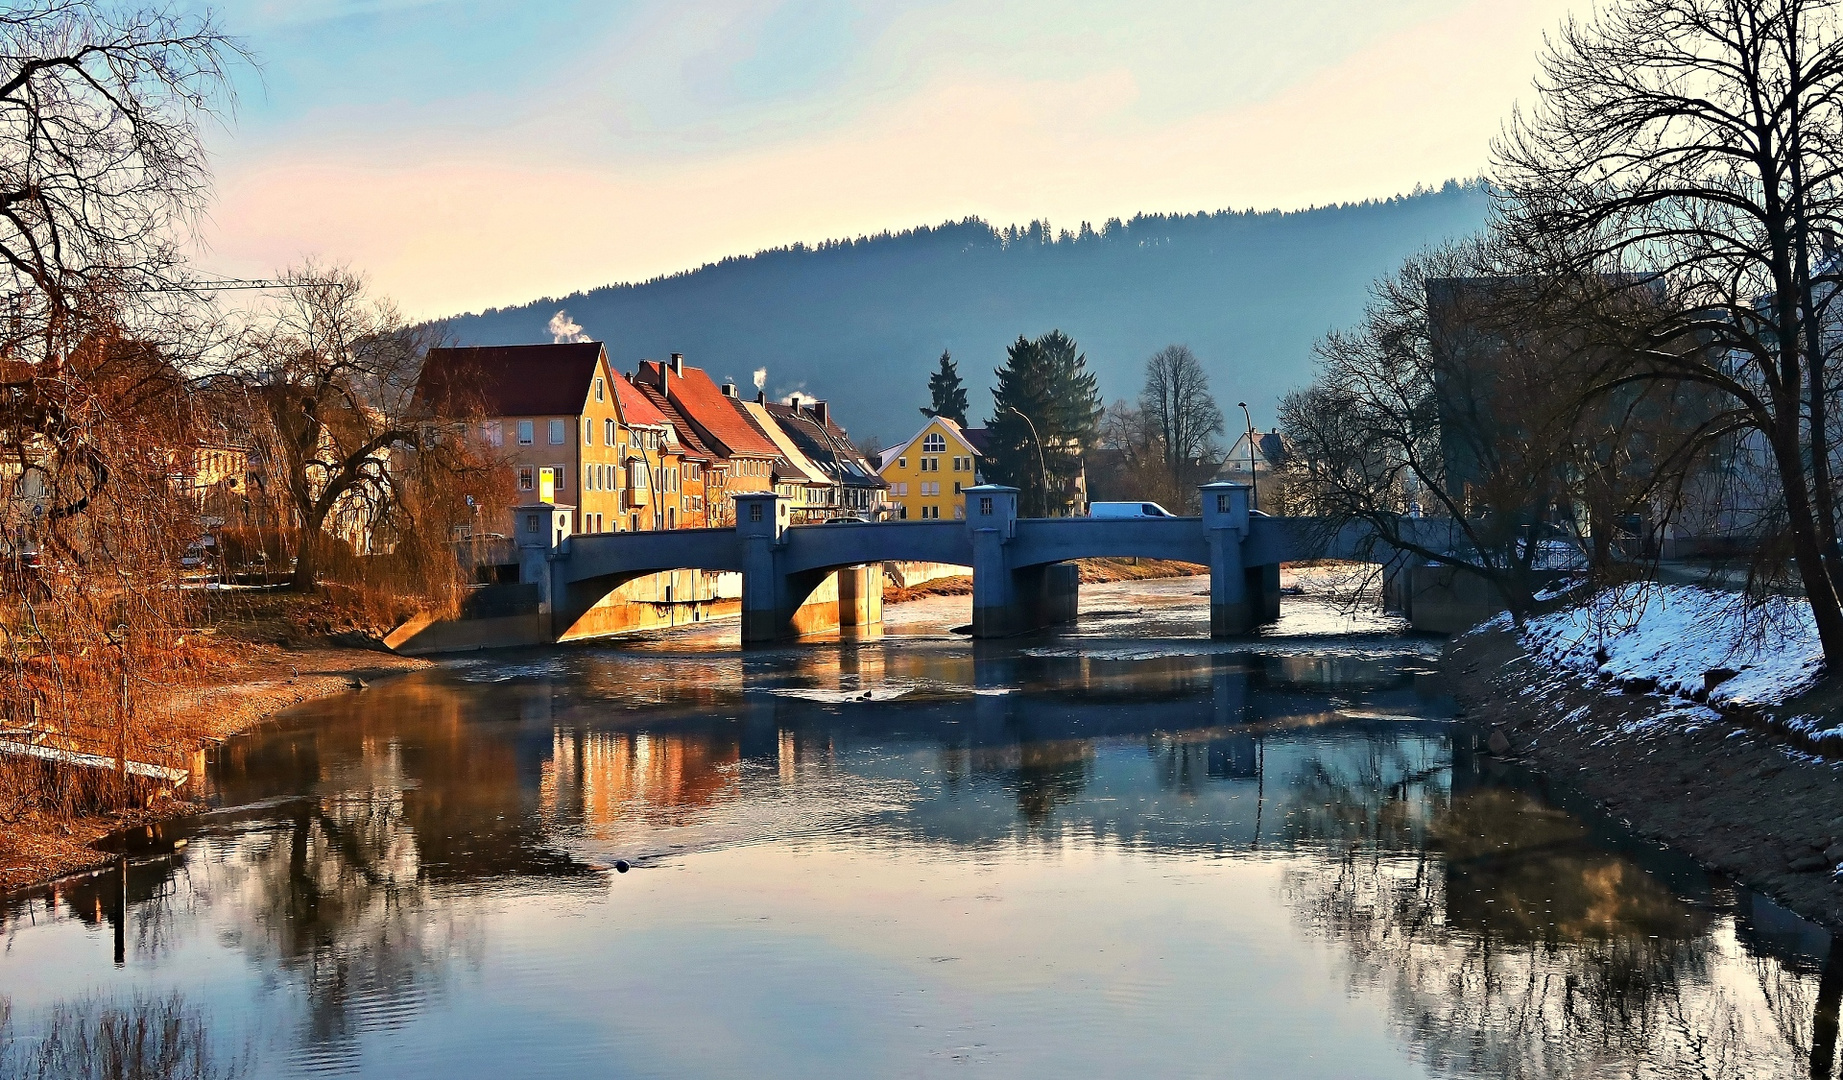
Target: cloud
{"x":565,"y":330}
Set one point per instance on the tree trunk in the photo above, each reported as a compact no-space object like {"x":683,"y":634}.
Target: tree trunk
{"x":1807,"y":545}
{"x":307,"y":553}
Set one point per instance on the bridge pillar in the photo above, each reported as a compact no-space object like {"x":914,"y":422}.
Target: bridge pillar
{"x":1232,"y":610}
{"x":543,"y":538}
{"x":761,"y":523}
{"x":1011,"y":600}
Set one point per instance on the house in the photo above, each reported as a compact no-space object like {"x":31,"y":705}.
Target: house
{"x":927,"y":474}
{"x":742,"y":453}
{"x":678,"y":467}
{"x":810,"y":491}
{"x":858,"y":490}
{"x":554,"y":413}
{"x":1257,"y":463}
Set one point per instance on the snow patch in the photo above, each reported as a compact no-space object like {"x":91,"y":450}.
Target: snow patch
{"x":1677,"y":639}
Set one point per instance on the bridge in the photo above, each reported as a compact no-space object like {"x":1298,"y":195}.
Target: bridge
{"x":803,"y":579}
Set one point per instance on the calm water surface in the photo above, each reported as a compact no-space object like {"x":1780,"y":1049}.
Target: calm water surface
{"x":1120,"y":850}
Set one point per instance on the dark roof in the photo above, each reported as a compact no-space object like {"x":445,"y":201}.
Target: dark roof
{"x":719,"y":421}
{"x":979,"y":437}
{"x":691,"y":445}
{"x":825,"y":445}
{"x":509,"y":380}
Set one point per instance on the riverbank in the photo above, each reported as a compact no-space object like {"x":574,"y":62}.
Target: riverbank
{"x":1728,"y":785}
{"x":1093,"y":572}
{"x":261,"y":681}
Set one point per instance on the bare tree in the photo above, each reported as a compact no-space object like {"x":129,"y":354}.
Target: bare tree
{"x":332,"y":371}
{"x":1699,"y":144}
{"x":1178,"y":408}
{"x":1463,"y":395}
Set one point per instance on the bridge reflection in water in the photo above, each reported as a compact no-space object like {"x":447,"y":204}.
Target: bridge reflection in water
{"x":402,"y":853}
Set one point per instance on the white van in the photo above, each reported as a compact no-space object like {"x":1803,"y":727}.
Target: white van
{"x":1128,"y":510}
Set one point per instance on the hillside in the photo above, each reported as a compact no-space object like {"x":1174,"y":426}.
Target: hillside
{"x":860,"y":322}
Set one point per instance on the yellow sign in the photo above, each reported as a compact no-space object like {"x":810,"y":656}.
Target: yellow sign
{"x":547,"y":485}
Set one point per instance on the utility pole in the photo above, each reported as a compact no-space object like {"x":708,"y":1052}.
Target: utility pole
{"x":1254,"y":478}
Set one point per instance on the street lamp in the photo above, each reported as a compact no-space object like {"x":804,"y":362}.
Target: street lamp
{"x":1042,"y":468}
{"x":1254,"y":479}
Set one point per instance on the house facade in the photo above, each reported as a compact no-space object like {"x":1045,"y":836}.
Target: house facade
{"x":927,"y":475}
{"x":553,"y":414}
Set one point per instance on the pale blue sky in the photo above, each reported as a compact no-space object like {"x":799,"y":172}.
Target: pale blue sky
{"x":467,"y":152}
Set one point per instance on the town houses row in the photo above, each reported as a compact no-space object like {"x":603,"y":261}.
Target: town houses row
{"x":667,"y":447}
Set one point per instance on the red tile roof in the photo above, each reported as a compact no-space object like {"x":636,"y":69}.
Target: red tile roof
{"x":509,"y":380}
{"x":718,"y":420}
{"x":636,"y":408}
{"x":692,"y":446}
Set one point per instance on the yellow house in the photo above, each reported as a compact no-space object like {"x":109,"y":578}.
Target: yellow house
{"x":927,"y":474}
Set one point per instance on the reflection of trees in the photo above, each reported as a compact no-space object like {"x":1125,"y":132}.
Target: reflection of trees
{"x":142,"y":1038}
{"x":1513,"y":947}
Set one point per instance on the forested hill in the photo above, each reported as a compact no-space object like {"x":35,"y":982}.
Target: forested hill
{"x":861,"y":322}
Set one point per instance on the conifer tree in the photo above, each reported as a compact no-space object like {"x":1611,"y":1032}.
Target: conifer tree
{"x":948,"y":392}
{"x":1047,"y":410}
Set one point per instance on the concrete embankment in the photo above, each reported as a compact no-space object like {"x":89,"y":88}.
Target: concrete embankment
{"x":1728,"y":787}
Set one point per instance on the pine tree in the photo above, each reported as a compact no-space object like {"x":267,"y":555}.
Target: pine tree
{"x":1047,"y":410}
{"x":948,"y":392}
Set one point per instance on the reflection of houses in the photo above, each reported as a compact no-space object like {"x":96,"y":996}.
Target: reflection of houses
{"x":607,"y":778}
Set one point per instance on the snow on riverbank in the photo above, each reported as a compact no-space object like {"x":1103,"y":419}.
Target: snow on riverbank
{"x":1682,"y":638}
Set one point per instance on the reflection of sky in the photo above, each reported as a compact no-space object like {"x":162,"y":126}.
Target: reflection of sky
{"x":1186,"y":865}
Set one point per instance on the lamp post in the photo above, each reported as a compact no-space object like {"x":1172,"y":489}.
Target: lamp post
{"x":1042,"y":468}
{"x":1254,"y":479}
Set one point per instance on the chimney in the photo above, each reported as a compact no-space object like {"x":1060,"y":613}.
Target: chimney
{"x":678,"y":364}
{"x":761,"y":397}
{"x":819,"y":412}
{"x":729,"y":389}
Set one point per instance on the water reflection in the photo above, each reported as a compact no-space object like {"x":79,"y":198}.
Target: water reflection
{"x":391,"y":853}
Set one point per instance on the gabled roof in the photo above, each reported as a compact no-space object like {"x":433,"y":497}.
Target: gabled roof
{"x":801,"y":467}
{"x":509,"y":380}
{"x":690,"y":445}
{"x":637,"y":410}
{"x":719,"y":420}
{"x":825,"y":444}
{"x":953,"y":430}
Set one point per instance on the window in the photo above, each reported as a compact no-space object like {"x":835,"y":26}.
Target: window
{"x":931,"y":512}
{"x":1222,"y":504}
{"x":598,"y":388}
{"x":608,"y":431}
{"x":588,"y":478}
{"x":904,"y":515}
{"x":562,"y":476}
{"x":525,"y":437}
{"x":959,"y":513}
{"x":985,"y":505}
{"x":933,"y":444}
{"x":956,"y":487}
{"x":527,"y":478}
{"x":755,"y":511}
{"x":556,"y":433}
{"x":902,"y":463}
{"x":588,"y":432}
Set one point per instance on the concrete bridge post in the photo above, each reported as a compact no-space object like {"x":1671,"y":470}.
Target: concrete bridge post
{"x":543,"y":539}
{"x":761,"y":526}
{"x":1225,"y":524}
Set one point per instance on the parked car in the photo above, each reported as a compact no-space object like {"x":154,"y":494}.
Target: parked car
{"x":1128,"y":510}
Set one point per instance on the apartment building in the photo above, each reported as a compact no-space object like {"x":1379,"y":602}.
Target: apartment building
{"x":739,"y":448}
{"x":926,"y":475}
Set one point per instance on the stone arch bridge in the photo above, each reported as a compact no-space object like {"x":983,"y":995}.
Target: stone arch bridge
{"x":1022,"y":575}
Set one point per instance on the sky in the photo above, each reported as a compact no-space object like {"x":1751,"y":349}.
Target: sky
{"x":467,"y":153}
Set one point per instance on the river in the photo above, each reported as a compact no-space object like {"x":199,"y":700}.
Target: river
{"x":1118,"y":850}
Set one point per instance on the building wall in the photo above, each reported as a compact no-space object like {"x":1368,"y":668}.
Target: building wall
{"x":924,"y":484}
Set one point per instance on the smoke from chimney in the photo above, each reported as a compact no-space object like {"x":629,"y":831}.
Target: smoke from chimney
{"x":565,"y":330}
{"x":761,"y":378}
